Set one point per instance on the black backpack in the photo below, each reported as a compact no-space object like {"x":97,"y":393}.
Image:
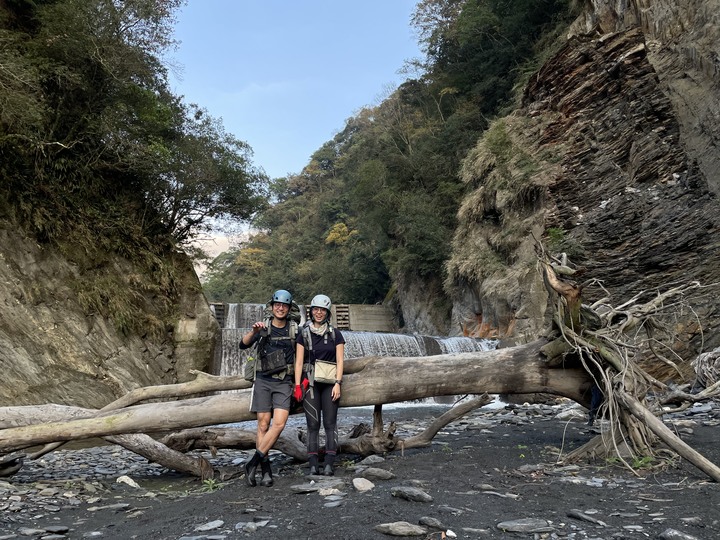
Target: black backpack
{"x":274,"y":362}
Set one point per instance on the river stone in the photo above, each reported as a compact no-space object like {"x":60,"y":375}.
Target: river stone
{"x":673,"y":534}
{"x":311,"y":487}
{"x":410,"y":494}
{"x":401,"y":528}
{"x":117,"y":506}
{"x":361,"y":484}
{"x":444,"y":509}
{"x":57,"y":529}
{"x":26,"y":531}
{"x":212,"y":525}
{"x":371,"y":460}
{"x":432,"y":522}
{"x":375,"y":473}
{"x":525,"y":525}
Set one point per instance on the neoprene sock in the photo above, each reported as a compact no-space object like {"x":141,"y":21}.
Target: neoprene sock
{"x":313,"y":460}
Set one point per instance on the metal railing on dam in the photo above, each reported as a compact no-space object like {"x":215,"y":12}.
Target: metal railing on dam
{"x":355,"y":317}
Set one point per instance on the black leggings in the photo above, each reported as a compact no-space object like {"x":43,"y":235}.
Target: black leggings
{"x":318,"y":402}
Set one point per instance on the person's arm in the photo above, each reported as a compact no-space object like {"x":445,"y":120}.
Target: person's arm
{"x":339,"y":357}
{"x":249,"y":338}
{"x":299,"y":355}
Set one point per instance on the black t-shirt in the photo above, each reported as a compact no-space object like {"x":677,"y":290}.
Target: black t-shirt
{"x":321,"y":350}
{"x":275,"y":343}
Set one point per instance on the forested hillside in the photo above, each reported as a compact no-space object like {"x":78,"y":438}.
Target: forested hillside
{"x":377,"y":204}
{"x":99,"y":158}
{"x":105,"y":179}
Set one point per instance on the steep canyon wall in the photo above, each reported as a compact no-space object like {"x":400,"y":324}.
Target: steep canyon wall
{"x":613,"y":159}
{"x":52,"y":351}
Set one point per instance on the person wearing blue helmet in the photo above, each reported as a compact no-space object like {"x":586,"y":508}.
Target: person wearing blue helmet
{"x":272,"y":388}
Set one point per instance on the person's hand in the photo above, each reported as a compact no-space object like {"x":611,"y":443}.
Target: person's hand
{"x":336,"y":392}
{"x":298,"y":393}
{"x":258,"y":326}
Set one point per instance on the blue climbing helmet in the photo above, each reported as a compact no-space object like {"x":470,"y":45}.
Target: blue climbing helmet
{"x":282,"y":296}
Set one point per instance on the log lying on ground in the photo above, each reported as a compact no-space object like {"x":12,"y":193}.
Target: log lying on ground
{"x":362,"y":440}
{"x":380,"y":381}
{"x":141,"y":444}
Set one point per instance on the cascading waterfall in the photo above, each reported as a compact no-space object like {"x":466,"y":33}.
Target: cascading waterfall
{"x":358,"y":344}
{"x":240,"y":318}
{"x":231,"y":316}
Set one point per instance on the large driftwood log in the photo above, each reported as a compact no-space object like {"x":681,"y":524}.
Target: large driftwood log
{"x":140,"y":444}
{"x":379,"y":381}
{"x":362,"y":440}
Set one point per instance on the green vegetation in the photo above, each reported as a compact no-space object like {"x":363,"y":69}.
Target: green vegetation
{"x":379,"y":202}
{"x":100,"y":160}
{"x":210,"y":485}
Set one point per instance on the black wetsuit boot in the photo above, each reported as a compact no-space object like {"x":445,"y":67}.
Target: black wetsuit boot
{"x":313,"y":465}
{"x":267,"y":479}
{"x":329,"y":462}
{"x":251,"y":467}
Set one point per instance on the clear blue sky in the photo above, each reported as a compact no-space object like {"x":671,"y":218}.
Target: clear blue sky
{"x":284,"y":75}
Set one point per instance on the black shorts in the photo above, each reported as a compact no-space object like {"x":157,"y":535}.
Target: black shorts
{"x":269,"y":394}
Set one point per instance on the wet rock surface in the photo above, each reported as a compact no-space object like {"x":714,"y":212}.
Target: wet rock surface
{"x":493,"y":474}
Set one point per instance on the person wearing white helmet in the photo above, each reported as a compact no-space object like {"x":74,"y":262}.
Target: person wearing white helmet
{"x":272,"y":389}
{"x":323,"y":344}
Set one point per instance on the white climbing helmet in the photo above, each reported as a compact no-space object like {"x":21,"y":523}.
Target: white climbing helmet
{"x":322,"y":301}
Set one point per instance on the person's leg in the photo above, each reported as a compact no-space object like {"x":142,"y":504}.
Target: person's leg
{"x":263,"y":424}
{"x":311,"y":404}
{"x":281,"y":393}
{"x":272,"y":434}
{"x":329,"y":417}
{"x":261,"y":405}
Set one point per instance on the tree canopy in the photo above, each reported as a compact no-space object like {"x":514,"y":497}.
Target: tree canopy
{"x":99,"y":158}
{"x":90,"y":131}
{"x":379,"y":200}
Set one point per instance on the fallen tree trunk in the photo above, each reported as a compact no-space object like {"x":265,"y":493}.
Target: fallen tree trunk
{"x":362,"y":440}
{"x":667,"y":436}
{"x":141,"y":444}
{"x":379,"y":381}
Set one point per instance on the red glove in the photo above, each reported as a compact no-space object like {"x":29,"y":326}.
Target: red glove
{"x":305,"y":383}
{"x":298,"y":393}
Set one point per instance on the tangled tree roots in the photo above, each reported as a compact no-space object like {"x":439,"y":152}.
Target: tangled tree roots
{"x":606,"y":340}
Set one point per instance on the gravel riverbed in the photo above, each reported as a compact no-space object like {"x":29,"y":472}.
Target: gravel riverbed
{"x":493,"y":474}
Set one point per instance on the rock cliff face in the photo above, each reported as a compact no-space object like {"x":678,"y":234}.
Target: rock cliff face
{"x":52,"y":352}
{"x":613,"y":159}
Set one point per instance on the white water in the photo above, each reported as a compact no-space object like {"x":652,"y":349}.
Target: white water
{"x":240,"y":317}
